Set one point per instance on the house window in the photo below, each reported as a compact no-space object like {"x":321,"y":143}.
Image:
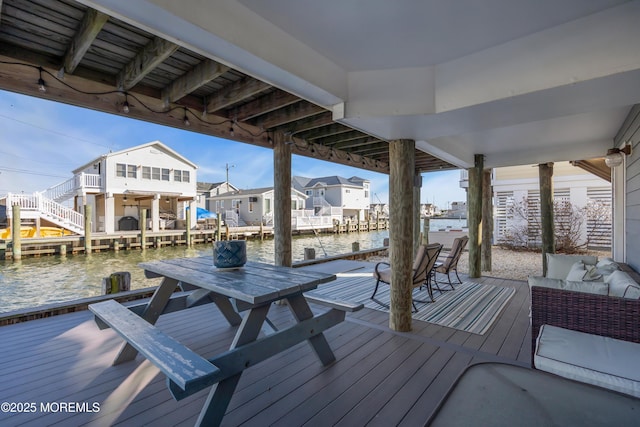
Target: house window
{"x":267,"y":205}
{"x":250,"y":205}
{"x":177,"y":176}
{"x":121,"y":170}
{"x":308,"y":192}
{"x":235,"y":203}
{"x":146,"y":172}
{"x":166,"y":173}
{"x":132,"y":171}
{"x":366,"y":193}
{"x":155,"y":174}
{"x":185,"y":176}
{"x":347,"y":191}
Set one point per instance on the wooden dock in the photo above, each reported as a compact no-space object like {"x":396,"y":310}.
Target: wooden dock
{"x":129,"y":240}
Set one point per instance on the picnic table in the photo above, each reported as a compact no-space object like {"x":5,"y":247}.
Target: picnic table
{"x":249,"y":290}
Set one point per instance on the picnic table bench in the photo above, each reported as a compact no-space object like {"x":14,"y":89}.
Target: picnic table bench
{"x":252,"y":289}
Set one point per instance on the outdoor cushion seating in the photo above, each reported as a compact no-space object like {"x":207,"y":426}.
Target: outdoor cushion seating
{"x":450,"y":263}
{"x":594,"y":315}
{"x":589,"y":358}
{"x":422,"y":266}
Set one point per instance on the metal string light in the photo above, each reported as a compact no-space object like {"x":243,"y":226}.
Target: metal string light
{"x":125,"y":106}
{"x":186,"y":119}
{"x":41,"y":86}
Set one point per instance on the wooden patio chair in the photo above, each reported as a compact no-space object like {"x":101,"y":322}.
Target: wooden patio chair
{"x":450,"y":263}
{"x":422,"y":267}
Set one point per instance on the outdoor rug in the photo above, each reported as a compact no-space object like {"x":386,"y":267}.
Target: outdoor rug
{"x":471,"y":307}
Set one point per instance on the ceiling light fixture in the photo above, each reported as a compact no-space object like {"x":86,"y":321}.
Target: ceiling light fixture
{"x":615,"y":156}
{"x":185,"y":120}
{"x":41,"y":86}
{"x":125,"y":106}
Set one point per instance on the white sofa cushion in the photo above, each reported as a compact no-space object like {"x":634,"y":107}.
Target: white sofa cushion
{"x":601,"y":361}
{"x":622,"y":285}
{"x":600,"y":288}
{"x":558,"y":265}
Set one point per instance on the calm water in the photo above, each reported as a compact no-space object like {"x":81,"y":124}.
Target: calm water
{"x":31,"y":282}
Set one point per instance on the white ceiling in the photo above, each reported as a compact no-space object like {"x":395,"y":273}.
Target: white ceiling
{"x":520,"y":81}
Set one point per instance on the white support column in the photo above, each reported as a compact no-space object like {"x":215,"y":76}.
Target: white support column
{"x":109,"y":214}
{"x":155,"y":213}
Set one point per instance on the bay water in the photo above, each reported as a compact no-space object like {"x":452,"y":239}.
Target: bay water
{"x":32,"y":282}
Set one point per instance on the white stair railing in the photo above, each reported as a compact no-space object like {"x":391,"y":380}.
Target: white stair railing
{"x":65,"y":190}
{"x":47,"y":209}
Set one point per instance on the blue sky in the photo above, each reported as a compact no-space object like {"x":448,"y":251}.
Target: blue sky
{"x":41,"y":142}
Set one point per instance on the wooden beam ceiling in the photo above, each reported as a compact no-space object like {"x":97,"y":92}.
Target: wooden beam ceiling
{"x":91,"y":25}
{"x":200,"y":75}
{"x":152,"y":55}
{"x":106,"y":61}
{"x":234,"y":93}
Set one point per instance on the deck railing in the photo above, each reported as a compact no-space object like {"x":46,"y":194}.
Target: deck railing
{"x":37,"y":204}
{"x":80,"y":182}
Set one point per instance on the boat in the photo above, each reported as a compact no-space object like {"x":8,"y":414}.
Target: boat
{"x":5,"y":233}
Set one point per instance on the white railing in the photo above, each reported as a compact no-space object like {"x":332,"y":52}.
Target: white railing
{"x":48,"y":209}
{"x":311,"y":222}
{"x":64,"y":190}
{"x":231,"y":218}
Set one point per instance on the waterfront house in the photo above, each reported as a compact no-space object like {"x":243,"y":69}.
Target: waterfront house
{"x":348,"y":198}
{"x":118,"y":186}
{"x":252,"y":207}
{"x":207,"y":190}
{"x":150,"y":176}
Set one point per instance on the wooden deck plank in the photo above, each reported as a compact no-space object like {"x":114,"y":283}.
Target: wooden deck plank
{"x":381,"y":377}
{"x":429,"y":400}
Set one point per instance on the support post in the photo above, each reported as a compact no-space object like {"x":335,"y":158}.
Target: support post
{"x":417,"y":185}
{"x":425,"y":231}
{"x":401,"y":174}
{"x":487,"y":219}
{"x":87,"y":229}
{"x":188,"y":222}
{"x":546,"y":212}
{"x":16,"y":237}
{"x":143,"y":229}
{"x":282,"y":200}
{"x":474,"y":220}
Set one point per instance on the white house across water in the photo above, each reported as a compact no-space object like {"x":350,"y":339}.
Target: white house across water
{"x":118,"y":186}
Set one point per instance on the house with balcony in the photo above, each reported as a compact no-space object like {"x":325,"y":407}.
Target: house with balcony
{"x":253,"y":207}
{"x":344,"y":199}
{"x":118,"y":186}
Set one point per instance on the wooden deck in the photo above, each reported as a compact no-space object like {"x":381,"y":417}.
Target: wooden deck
{"x":381,"y":377}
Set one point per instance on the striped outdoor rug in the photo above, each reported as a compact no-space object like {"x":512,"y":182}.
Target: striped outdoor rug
{"x":471,"y":307}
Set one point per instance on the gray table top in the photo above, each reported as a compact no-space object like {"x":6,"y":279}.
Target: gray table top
{"x":255,"y":283}
{"x":495,"y":394}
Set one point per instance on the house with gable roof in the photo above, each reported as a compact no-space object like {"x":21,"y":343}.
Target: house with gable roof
{"x":348,"y":198}
{"x":118,"y":186}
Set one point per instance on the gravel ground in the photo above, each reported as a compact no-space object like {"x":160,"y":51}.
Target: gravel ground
{"x":514,"y":265}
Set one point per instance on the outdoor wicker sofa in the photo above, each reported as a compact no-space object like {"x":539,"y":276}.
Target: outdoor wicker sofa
{"x":588,"y":358}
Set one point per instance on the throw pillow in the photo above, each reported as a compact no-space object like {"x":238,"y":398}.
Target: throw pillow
{"x":623,"y":286}
{"x":608,"y":263}
{"x":577,"y":272}
{"x":559,"y":265}
{"x":592,"y":275}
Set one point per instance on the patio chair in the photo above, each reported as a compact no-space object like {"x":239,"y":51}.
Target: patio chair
{"x":422,"y":267}
{"x":450,"y":263}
